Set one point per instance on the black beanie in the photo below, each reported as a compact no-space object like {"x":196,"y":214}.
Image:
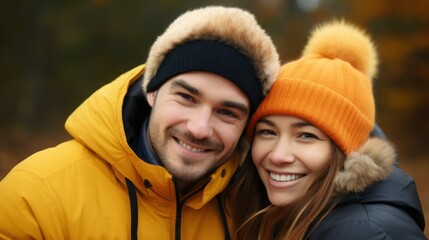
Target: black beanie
{"x":211,"y":56}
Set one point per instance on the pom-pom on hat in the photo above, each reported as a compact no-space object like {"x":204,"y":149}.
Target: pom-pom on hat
{"x":330,"y":86}
{"x":224,"y":40}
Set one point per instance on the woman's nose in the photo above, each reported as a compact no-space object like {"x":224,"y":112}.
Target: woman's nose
{"x":282,"y":153}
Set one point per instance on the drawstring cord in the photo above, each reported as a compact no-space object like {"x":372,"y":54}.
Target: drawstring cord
{"x":222,"y":214}
{"x":134,"y":208}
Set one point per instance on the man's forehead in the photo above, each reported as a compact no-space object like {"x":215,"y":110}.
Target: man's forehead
{"x":200,"y":80}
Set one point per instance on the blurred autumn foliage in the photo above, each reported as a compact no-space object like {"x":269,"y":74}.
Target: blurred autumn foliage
{"x":54,"y":54}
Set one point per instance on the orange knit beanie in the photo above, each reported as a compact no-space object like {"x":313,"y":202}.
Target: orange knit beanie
{"x":329,"y":86}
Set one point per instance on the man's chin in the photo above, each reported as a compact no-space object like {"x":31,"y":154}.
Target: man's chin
{"x":191,"y":173}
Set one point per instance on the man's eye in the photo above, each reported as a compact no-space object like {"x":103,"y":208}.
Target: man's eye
{"x":228,"y":113}
{"x":186,"y":96}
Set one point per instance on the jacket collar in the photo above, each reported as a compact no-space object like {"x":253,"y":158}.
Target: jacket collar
{"x":366,"y":166}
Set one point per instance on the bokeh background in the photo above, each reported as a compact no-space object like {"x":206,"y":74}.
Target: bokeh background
{"x":54,"y":54}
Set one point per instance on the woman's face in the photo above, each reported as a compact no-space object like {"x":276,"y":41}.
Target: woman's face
{"x":288,"y":152}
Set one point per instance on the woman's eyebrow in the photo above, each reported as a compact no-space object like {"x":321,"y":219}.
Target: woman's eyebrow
{"x":296,"y":124}
{"x":302,"y":124}
{"x":266,"y":121}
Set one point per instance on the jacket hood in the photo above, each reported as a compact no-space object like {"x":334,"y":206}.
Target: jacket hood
{"x":372,"y":175}
{"x":108,"y":122}
{"x":98,"y":124}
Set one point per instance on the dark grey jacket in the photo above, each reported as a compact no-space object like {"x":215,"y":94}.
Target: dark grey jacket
{"x":389,"y":209}
{"x":386,"y":209}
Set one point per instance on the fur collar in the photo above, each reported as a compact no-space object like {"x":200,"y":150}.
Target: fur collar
{"x":369,"y":164}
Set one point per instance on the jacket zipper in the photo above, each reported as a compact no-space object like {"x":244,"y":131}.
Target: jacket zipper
{"x":179,"y":207}
{"x":178,"y":216}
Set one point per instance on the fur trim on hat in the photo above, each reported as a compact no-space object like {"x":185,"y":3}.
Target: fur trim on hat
{"x":232,"y":26}
{"x":368,"y":165}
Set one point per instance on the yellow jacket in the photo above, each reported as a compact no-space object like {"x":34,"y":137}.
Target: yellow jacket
{"x":77,"y":190}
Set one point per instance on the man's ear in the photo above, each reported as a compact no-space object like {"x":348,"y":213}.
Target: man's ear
{"x":150,"y":98}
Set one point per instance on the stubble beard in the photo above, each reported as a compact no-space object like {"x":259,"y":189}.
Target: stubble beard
{"x":186,"y":171}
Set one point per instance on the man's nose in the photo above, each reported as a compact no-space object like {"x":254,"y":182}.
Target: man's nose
{"x":200,"y":123}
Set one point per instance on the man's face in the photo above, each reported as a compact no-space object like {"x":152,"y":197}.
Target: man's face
{"x":196,"y":121}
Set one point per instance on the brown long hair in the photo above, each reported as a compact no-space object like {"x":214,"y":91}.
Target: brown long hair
{"x":255,"y":218}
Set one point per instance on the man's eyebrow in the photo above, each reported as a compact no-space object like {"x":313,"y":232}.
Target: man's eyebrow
{"x":240,"y":106}
{"x":179,"y":83}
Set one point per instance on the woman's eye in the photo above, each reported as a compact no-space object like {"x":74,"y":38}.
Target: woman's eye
{"x":263,"y":132}
{"x":308,"y":136}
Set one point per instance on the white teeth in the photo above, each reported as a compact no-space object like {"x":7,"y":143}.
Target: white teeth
{"x":285,"y":178}
{"x":190,"y":148}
